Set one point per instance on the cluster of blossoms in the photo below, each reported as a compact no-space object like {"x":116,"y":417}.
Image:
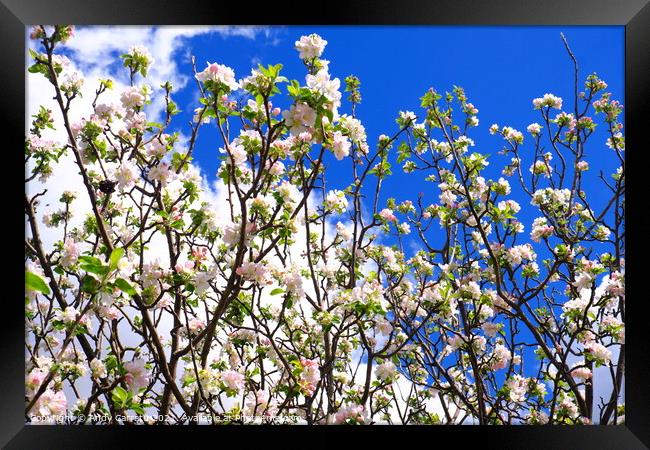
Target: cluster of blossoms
{"x":598,"y":352}
{"x":387,"y":215}
{"x":293,"y":281}
{"x":311,"y":46}
{"x":260,"y":403}
{"x":541,"y":229}
{"x":256,"y":272}
{"x":542,"y":167}
{"x":322,"y":83}
{"x":233,"y":380}
{"x":502,"y":357}
{"x":386,"y":371}
{"x":548,"y":100}
{"x":549,"y":197}
{"x":310,"y":375}
{"x":616,"y":142}
{"x":300,"y":118}
{"x":137,"y":375}
{"x":512,"y":135}
{"x":220,"y":75}
{"x":354,"y":129}
{"x":134,"y":97}
{"x":335,"y":201}
{"x":340,"y":145}
{"x":350,"y":414}
{"x":534,"y":128}
{"x":141,"y":53}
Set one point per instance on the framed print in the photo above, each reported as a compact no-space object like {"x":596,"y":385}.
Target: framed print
{"x":405,"y":215}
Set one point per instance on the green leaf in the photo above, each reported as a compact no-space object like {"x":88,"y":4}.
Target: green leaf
{"x":93,"y":265}
{"x":120,"y":396}
{"x":137,"y":408}
{"x":116,"y":255}
{"x":84,"y":259}
{"x":177,"y":224}
{"x":111,"y":363}
{"x":294,"y":88}
{"x":89,"y":284}
{"x":125,"y":286}
{"x":35,"y":68}
{"x":188,"y":381}
{"x":96,"y":269}
{"x":277,"y":291}
{"x":35,"y":283}
{"x":329,"y":114}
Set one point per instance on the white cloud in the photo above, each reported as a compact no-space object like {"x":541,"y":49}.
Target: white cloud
{"x":95,"y":50}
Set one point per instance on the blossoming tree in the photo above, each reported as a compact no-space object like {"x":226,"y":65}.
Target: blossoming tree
{"x":290,"y":299}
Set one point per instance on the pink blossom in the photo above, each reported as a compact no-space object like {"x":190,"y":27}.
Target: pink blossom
{"x":387,"y":215}
{"x":581,"y":372}
{"x":126,"y":175}
{"x":161,"y":173}
{"x":184,"y":267}
{"x":70,"y":253}
{"x":233,"y":380}
{"x":311,"y":46}
{"x":311,"y":371}
{"x":220,"y":74}
{"x":132,"y":97}
{"x":277,"y":168}
{"x":293,"y":281}
{"x":549,"y":100}
{"x":335,"y":201}
{"x":541,"y":229}
{"x":195,"y":325}
{"x":51,"y":403}
{"x":385,"y":371}
{"x":200,"y":253}
{"x":69,"y":315}
{"x":299,"y":118}
{"x":136,"y":376}
{"x":35,"y":379}
{"x":599,"y":352}
{"x":251,"y":271}
{"x":340,"y":145}
{"x":350,"y":413}
{"x":164,"y":302}
{"x":501,"y":357}
{"x":490,"y":329}
{"x":259,"y":403}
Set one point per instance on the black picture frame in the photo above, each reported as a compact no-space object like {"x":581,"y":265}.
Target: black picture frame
{"x":633,"y":14}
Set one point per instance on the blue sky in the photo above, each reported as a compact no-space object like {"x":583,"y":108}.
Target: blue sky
{"x":501,"y":69}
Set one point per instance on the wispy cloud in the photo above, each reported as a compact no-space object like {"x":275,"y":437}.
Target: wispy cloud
{"x":94,"y":51}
